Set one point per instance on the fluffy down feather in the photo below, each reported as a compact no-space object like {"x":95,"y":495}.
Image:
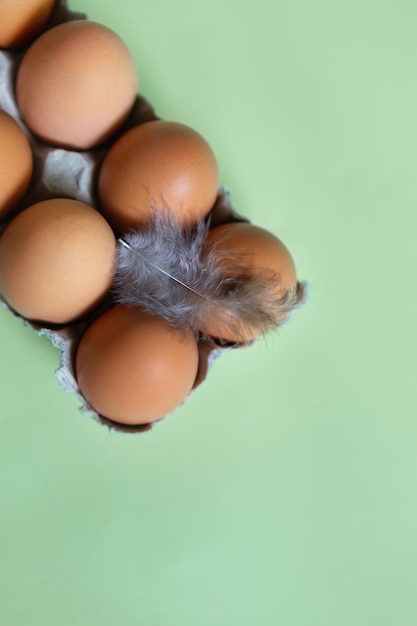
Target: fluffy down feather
{"x":170,"y":272}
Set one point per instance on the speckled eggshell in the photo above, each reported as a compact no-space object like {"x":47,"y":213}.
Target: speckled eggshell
{"x":133,"y":368}
{"x":76,"y":84}
{"x":22,"y":20}
{"x":256,"y":251}
{"x":155,"y":165}
{"x":56,"y":260}
{"x":16,"y":164}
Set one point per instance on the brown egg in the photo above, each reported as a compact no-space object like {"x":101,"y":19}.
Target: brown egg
{"x":56,"y":260}
{"x":133,"y":368}
{"x":22,"y":21}
{"x":76,"y":84}
{"x":249,"y":252}
{"x":158,"y":164}
{"x":16,"y":164}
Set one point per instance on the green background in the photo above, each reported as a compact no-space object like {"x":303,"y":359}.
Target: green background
{"x":284,"y":491}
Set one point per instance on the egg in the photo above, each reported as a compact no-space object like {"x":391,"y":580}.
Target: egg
{"x":56,"y":260}
{"x":16,"y":164}
{"x":22,"y":20}
{"x":250,"y":254}
{"x":158,"y":164}
{"x":76,"y":84}
{"x":133,"y":367}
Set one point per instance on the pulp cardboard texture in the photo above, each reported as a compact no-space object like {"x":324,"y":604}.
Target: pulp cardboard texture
{"x":72,"y":174}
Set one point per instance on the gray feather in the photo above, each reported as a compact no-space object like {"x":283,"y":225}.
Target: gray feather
{"x":169,"y":271}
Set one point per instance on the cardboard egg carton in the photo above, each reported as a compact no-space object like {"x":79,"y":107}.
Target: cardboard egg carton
{"x":58,"y":172}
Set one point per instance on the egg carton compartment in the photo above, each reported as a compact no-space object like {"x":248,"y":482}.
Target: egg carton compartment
{"x":59,"y":172}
